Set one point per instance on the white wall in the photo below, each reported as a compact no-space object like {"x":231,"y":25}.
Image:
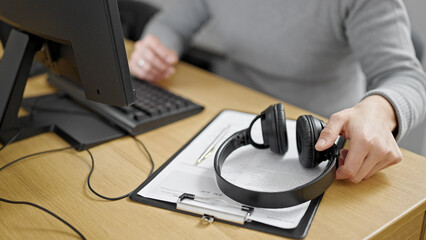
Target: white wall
{"x":417,"y":12}
{"x":416,"y":139}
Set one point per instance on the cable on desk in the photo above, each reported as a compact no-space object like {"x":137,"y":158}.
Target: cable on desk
{"x":45,"y":210}
{"x":18,"y":133}
{"x":34,"y":108}
{"x":88,"y":181}
{"x":33,"y":204}
{"x":147,"y":152}
{"x":93,"y":167}
{"x":35,"y":154}
{"x":12,"y":139}
{"x":90,"y":186}
{"x":31,"y":111}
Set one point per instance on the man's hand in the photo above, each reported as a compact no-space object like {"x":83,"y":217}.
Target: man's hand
{"x":369,"y":126}
{"x":151,"y":60}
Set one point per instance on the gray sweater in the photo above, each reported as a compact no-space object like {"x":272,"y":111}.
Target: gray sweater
{"x":321,"y":55}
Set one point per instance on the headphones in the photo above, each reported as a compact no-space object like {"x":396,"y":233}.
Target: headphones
{"x":274,"y":132}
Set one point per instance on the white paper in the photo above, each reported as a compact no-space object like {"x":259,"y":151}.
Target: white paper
{"x":246,"y":167}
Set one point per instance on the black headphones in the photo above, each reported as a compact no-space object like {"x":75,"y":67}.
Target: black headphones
{"x":274,"y":132}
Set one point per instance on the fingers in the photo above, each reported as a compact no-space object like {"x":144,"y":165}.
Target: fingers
{"x":353,"y":162}
{"x":151,"y":60}
{"x":380,"y":165}
{"x":391,"y":159}
{"x":165,"y":54}
{"x":153,"y":63}
{"x":331,"y":131}
{"x":368,"y":164}
{"x":368,"y":125}
{"x":147,"y":64}
{"x":140,"y":72}
{"x":359,"y":165}
{"x":343,"y":154}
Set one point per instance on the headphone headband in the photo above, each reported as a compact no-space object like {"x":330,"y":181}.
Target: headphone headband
{"x":280,"y":199}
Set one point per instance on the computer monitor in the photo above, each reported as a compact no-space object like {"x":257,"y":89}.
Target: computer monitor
{"x":81,"y":40}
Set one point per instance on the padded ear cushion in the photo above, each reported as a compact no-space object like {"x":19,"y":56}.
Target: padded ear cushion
{"x":308,"y":130}
{"x":274,"y":129}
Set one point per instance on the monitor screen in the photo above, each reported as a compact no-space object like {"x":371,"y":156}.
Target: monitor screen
{"x":80,"y":40}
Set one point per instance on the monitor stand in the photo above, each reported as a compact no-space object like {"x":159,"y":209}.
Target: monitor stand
{"x":52,"y":113}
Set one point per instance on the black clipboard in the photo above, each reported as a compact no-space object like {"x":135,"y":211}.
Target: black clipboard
{"x":298,"y":233}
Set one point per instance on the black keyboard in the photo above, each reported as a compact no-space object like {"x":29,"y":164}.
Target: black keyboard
{"x":154,"y":107}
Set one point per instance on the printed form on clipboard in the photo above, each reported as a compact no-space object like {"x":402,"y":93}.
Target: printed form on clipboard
{"x":247,"y":167}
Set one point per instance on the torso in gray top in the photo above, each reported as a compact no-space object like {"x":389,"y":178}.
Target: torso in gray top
{"x":323,"y":55}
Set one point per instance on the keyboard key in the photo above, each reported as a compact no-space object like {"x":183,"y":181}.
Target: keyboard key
{"x":155,"y":107}
{"x":139,"y":115}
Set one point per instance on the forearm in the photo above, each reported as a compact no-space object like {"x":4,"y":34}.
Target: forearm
{"x":407,"y":96}
{"x":379,"y":34}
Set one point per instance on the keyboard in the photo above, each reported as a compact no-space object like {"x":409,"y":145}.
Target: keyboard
{"x":154,"y":107}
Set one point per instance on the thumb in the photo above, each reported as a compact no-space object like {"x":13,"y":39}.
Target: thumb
{"x":330,"y":133}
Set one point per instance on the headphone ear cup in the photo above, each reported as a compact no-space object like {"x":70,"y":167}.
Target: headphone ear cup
{"x":274,"y":129}
{"x":308,"y":129}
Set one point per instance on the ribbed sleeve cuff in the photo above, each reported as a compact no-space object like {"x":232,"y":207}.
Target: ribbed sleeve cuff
{"x":400,"y":106}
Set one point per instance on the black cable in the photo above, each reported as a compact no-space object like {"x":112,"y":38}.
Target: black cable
{"x":147,"y":152}
{"x":93,"y":167}
{"x":33,"y":204}
{"x":32,"y":110}
{"x":90,"y":186}
{"x":11,"y":140}
{"x":30,"y":116}
{"x":34,"y":154}
{"x":88,"y":180}
{"x":47,"y":211}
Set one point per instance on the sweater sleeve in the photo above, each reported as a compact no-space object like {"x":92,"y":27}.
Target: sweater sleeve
{"x":178,"y":22}
{"x":378,"y":31}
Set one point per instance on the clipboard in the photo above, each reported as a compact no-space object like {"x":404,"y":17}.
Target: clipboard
{"x":298,"y":232}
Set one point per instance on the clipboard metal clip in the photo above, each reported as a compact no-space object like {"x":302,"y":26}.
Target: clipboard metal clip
{"x":189,"y":203}
{"x":207,"y":219}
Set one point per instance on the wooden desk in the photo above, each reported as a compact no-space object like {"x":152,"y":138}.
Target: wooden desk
{"x":390,"y":205}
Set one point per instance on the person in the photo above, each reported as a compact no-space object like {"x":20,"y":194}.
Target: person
{"x":352,"y":60}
